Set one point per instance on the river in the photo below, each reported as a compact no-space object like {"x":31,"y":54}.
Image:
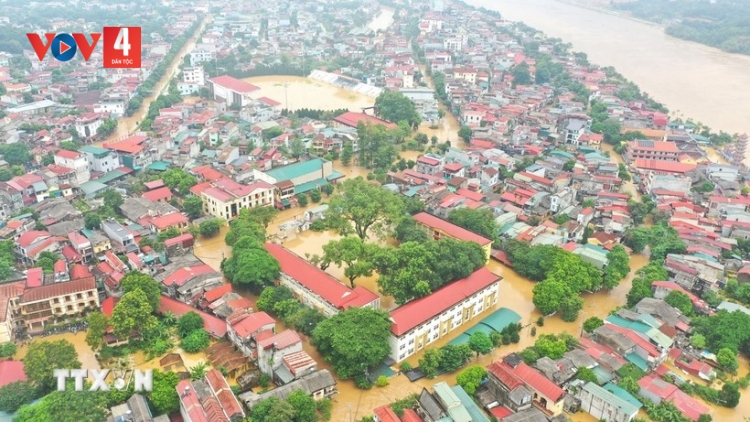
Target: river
{"x":691,"y":79}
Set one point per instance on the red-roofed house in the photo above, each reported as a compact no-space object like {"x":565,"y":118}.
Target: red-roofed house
{"x":209,"y":399}
{"x":316,"y":288}
{"x":422,"y":321}
{"x":164,"y":222}
{"x":34,"y":277}
{"x":652,"y":150}
{"x":225,"y":198}
{"x":244,"y":327}
{"x":656,"y":390}
{"x":385,"y":414}
{"x":352,"y":119}
{"x":215,"y":326}
{"x":75,"y":161}
{"x":133,"y":151}
{"x":271,"y":350}
{"x":162,"y":194}
{"x":11,"y":371}
{"x":509,"y":390}
{"x":187,"y":282}
{"x":232,"y":90}
{"x":440,"y":228}
{"x":547,"y":396}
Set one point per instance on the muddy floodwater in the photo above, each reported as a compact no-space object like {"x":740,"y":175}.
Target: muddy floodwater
{"x":296,"y":92}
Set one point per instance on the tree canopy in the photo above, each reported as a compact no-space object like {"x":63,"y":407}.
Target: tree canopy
{"x":618,"y":267}
{"x":133,"y":313}
{"x":164,"y":394}
{"x":43,"y":357}
{"x":136,"y":280}
{"x":354,"y":340}
{"x":479,"y":221}
{"x":361,"y":208}
{"x":660,"y":238}
{"x":350,"y":252}
{"x":471,"y":378}
{"x":394,"y":106}
{"x":179,"y":179}
{"x":251,"y":265}
{"x":376,"y":149}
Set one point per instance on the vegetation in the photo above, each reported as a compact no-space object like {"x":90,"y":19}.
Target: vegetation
{"x":471,"y":378}
{"x":250,"y":263}
{"x":592,"y":324}
{"x":210,"y":227}
{"x":479,"y":221}
{"x":43,"y":357}
{"x":7,"y":349}
{"x":361,"y":208}
{"x":298,"y":407}
{"x":353,"y":340}
{"x":164,"y":396}
{"x":132,"y":316}
{"x":376,"y":149}
{"x":394,"y":106}
{"x":641,"y":287}
{"x":352,"y":253}
{"x":16,"y":394}
{"x":280,"y":301}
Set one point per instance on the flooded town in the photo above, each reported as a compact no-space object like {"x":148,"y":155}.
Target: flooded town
{"x":385,"y":211}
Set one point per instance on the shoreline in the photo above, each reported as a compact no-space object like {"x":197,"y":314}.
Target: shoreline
{"x":613,"y":12}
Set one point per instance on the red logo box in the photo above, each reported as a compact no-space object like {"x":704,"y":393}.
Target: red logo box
{"x":122,"y":47}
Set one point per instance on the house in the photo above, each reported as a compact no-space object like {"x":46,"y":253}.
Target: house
{"x":135,"y":409}
{"x":215,"y":326}
{"x":656,"y":390}
{"x":243,"y":327}
{"x":605,"y":405}
{"x":507,"y":389}
{"x":439,"y":228}
{"x":651,"y":150}
{"x":225,"y":197}
{"x":132,"y":152}
{"x":75,"y":161}
{"x":352,"y":119}
{"x":233,"y":91}
{"x":316,"y":288}
{"x":385,"y":414}
{"x":34,"y":307}
{"x":430,"y":164}
{"x":422,"y":321}
{"x":120,"y":235}
{"x":208,"y":399}
{"x":163,"y":222}
{"x":547,"y":396}
{"x":319,"y":384}
{"x":297,"y":178}
{"x":186,"y":282}
{"x":272,"y":349}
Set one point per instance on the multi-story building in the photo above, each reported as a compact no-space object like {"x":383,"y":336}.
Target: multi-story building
{"x":120,"y":235}
{"x":133,"y":152}
{"x":100,"y":160}
{"x":430,"y":164}
{"x":233,"y":91}
{"x":439,"y":228}
{"x":242,"y":328}
{"x":76,"y":161}
{"x":300,"y":177}
{"x":193,"y":79}
{"x":202,"y":53}
{"x":316,"y":288}
{"x":87,"y":124}
{"x":422,"y":321}
{"x":651,"y":150}
{"x":32,"y":308}
{"x":511,"y":380}
{"x":225,"y":198}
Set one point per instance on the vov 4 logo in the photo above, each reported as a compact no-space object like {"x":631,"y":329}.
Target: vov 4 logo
{"x":121,"y":46}
{"x":142,"y":381}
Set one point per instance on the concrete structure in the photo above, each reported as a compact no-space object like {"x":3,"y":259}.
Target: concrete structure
{"x":271,"y":350}
{"x":319,"y":384}
{"x":422,"y":321}
{"x":651,"y":150}
{"x":87,"y":125}
{"x":225,"y":198}
{"x":439,"y":228}
{"x":99,"y":159}
{"x":299,"y":178}
{"x":232,"y":91}
{"x":76,"y":161}
{"x":605,"y":405}
{"x":208,"y":399}
{"x":547,"y":396}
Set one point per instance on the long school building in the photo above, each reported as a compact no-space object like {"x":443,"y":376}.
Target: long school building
{"x":439,"y":228}
{"x":422,"y":321}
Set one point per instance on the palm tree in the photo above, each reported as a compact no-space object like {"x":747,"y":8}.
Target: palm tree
{"x":169,"y":319}
{"x":198,"y":371}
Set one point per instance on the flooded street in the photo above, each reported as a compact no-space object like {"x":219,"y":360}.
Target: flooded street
{"x":85,"y":354}
{"x":295,"y":92}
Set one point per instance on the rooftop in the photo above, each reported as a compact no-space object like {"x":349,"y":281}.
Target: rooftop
{"x":450,"y":229}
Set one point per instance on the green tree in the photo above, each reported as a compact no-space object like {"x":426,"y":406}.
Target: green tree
{"x":454,"y":356}
{"x":465,"y":133}
{"x":188,"y":323}
{"x":727,"y":359}
{"x":112,"y":199}
{"x":592,"y":324}
{"x":196,"y":341}
{"x":480,"y":343}
{"x":305,"y":409}
{"x":7,"y":349}
{"x":681,"y":301}
{"x":394,"y":106}
{"x":362,"y":208}
{"x":132,"y":314}
{"x":17,"y":153}
{"x":251,"y":266}
{"x":730,"y":395}
{"x":725,"y":330}
{"x":587,"y":375}
{"x":618,"y":267}
{"x":92,"y":221}
{"x":521,"y":75}
{"x":169,"y":233}
{"x":347,"y":152}
{"x":350,"y":251}
{"x":136,"y":280}
{"x":408,"y":231}
{"x":98,"y":324}
{"x":210,"y":227}
{"x":179,"y":180}
{"x":430,"y":362}
{"x":548,"y":296}
{"x":302,"y":199}
{"x":193,"y":206}
{"x":354,"y":340}
{"x":272,"y":410}
{"x":551,"y":346}
{"x":315,"y":196}
{"x":244,"y":226}
{"x":16,"y":394}
{"x":43,"y":357}
{"x":261,"y":215}
{"x":66,"y":406}
{"x":479,"y":221}
{"x":698,"y":341}
{"x":164,"y":395}
{"x":297,"y":147}
{"x":471,"y":378}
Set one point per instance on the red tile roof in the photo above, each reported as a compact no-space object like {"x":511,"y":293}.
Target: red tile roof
{"x":416,"y":312}
{"x":351,"y":119}
{"x":34,"y":277}
{"x":179,"y":239}
{"x":154,"y":184}
{"x":660,"y":146}
{"x":538,"y":382}
{"x":79,"y":271}
{"x":70,"y":254}
{"x":11,"y":371}
{"x":505,"y":375}
{"x":64,"y":153}
{"x":218,"y":292}
{"x":130,"y":145}
{"x":158,"y":194}
{"x":450,"y":229}
{"x":318,"y":281}
{"x":664,"y":166}
{"x":252,"y":324}
{"x":215,"y":326}
{"x":223,"y":393}
{"x":428,"y":160}
{"x":281,"y":340}
{"x":234,"y":84}
{"x":411,"y":416}
{"x":183,"y":275}
{"x":108,"y":306}
{"x":386,"y":414}
{"x":58,"y":289}
{"x":208,"y":173}
{"x":165,"y":221}
{"x":31,"y":236}
{"x":190,"y":402}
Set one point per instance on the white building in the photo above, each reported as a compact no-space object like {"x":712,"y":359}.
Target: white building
{"x":243,"y":328}
{"x":76,"y":161}
{"x":116,"y":108}
{"x":272,"y":349}
{"x":100,"y":160}
{"x":202,"y":53}
{"x":422,"y":321}
{"x":193,"y":79}
{"x":604,"y":405}
{"x":87,"y":125}
{"x":232,"y":90}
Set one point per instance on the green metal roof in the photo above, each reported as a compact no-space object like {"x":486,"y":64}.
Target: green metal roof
{"x":631,"y":325}
{"x":448,"y":399}
{"x":308,"y":186}
{"x":623,"y":395}
{"x":335,"y":175}
{"x":474,"y":411}
{"x":637,"y":361}
{"x":159,"y":165}
{"x":562,"y":154}
{"x":611,"y":398}
{"x":293,"y":171}
{"x":92,"y":186}
{"x":660,"y":338}
{"x":501,"y":318}
{"x":96,"y":151}
{"x":602,"y":375}
{"x":110,"y":176}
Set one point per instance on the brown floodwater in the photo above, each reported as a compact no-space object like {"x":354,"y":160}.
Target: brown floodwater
{"x":85,"y":354}
{"x":295,"y":92}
